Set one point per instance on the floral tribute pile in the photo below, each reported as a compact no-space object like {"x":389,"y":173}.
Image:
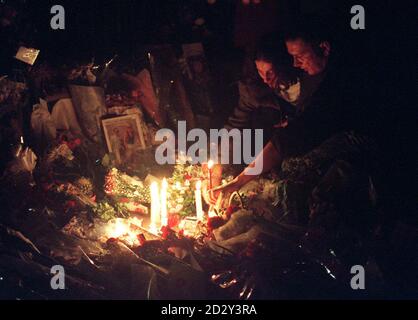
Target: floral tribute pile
{"x":99,"y":212}
{"x":134,"y":192}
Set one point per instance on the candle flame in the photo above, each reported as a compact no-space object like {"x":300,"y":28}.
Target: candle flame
{"x":210,"y":164}
{"x":124,"y":229}
{"x":118,"y":229}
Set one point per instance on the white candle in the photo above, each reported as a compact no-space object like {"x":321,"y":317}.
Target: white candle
{"x":164,"y":217}
{"x":155,"y":206}
{"x":210,"y":165}
{"x":198,"y":200}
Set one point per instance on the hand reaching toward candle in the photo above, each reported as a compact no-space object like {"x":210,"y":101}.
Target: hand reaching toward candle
{"x":228,"y":188}
{"x":267,"y":159}
{"x":214,"y":179}
{"x":215,"y":174}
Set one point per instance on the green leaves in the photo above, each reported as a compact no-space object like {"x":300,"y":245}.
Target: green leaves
{"x":106,"y":211}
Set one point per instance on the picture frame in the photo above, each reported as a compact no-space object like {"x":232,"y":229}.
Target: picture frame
{"x":124,"y":136}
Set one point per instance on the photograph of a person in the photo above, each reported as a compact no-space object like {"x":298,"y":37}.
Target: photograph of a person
{"x":124,"y":136}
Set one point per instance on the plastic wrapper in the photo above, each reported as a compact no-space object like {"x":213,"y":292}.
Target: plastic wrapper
{"x":169,"y":86}
{"x":148,"y":98}
{"x":198,"y":80}
{"x":83,"y":75}
{"x":90,"y":106}
{"x":25,"y":161}
{"x":64,"y":117}
{"x":42,"y":124}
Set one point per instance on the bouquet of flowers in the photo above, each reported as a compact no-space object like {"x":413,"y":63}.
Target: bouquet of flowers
{"x":181,"y":191}
{"x":119,"y":185}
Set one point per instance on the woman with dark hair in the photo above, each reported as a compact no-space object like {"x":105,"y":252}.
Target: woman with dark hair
{"x":271,"y":91}
{"x":274,"y":66}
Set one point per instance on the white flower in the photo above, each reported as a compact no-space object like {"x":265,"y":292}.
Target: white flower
{"x":65,"y":152}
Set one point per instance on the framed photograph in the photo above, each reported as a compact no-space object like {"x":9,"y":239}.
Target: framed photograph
{"x":27,"y":55}
{"x":124,"y":135}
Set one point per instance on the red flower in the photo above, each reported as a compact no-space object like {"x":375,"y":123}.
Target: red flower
{"x":141,"y":239}
{"x":124,"y":200}
{"x":230,"y":210}
{"x":109,"y":187}
{"x":252,"y":250}
{"x":70,"y":204}
{"x":71,"y":145}
{"x":173,"y":220}
{"x":167,"y":232}
{"x":187,"y":177}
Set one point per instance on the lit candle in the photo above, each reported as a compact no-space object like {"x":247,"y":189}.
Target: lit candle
{"x":164,"y":217}
{"x":210,"y":165}
{"x":155,"y":206}
{"x":198,"y":200}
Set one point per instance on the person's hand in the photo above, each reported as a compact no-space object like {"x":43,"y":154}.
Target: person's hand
{"x":228,"y":188}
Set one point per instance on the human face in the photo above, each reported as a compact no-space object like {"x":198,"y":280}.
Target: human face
{"x":267,"y":73}
{"x":305,"y":58}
